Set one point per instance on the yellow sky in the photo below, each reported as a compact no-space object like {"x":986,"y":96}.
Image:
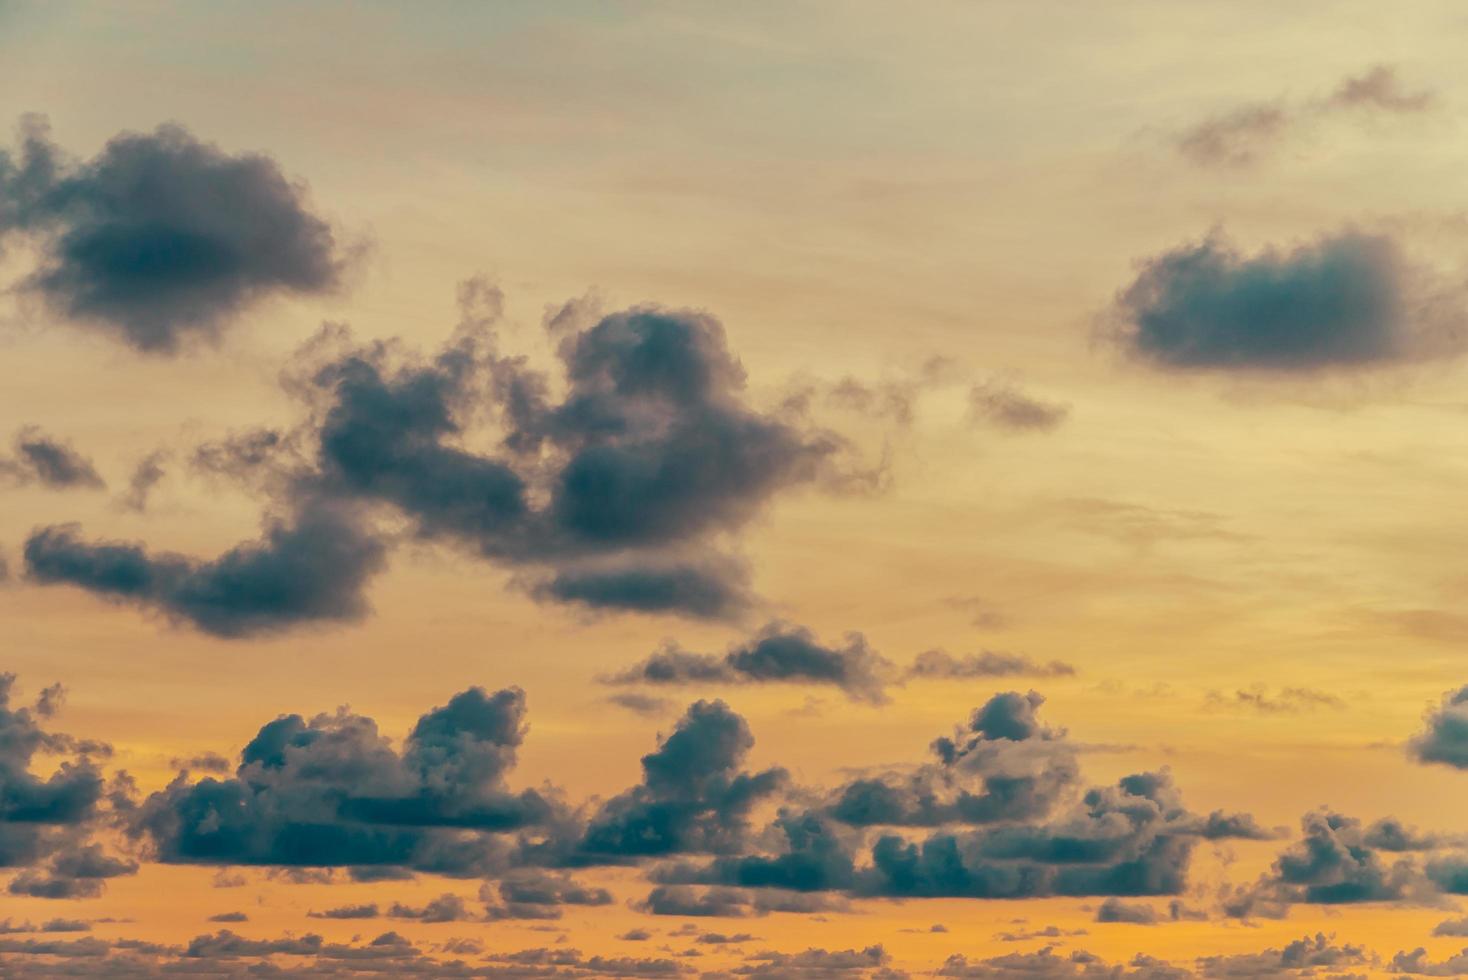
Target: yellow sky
{"x":851,"y":189}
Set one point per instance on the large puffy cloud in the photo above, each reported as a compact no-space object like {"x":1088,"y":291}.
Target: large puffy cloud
{"x":619,"y":495}
{"x":778,"y":653}
{"x":1348,"y":300}
{"x":694,"y":796}
{"x":311,"y":568}
{"x":1005,"y":764}
{"x":160,"y":238}
{"x":332,"y":791}
{"x":1335,"y":862}
{"x":1445,"y":739}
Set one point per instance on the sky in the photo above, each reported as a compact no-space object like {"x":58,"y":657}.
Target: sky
{"x":851,"y":489}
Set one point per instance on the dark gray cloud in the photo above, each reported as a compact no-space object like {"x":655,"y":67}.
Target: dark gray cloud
{"x":705,"y":587}
{"x":1002,"y":404}
{"x":941,"y":665}
{"x":693,"y":798}
{"x":651,"y":445}
{"x":778,"y":653}
{"x":1318,"y":955}
{"x":531,"y":893}
{"x":1417,"y":963}
{"x":363,"y":911}
{"x":38,"y":458}
{"x":46,"y":821}
{"x":77,"y":871}
{"x":685,"y":900}
{"x":1135,"y":913}
{"x":1451,"y":927}
{"x":1035,"y":833}
{"x":1311,"y":956}
{"x":311,"y":569}
{"x":1390,"y":834}
{"x":447,"y":907}
{"x":331,"y":792}
{"x":160,"y":238}
{"x":1347,"y":300}
{"x":619,"y":495}
{"x":1004,"y":765}
{"x":1049,"y":963}
{"x":872,"y":962}
{"x":1333,"y":863}
{"x":1445,"y":739}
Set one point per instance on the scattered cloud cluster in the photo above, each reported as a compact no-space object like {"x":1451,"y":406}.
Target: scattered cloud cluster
{"x":783,"y":652}
{"x":612,"y":495}
{"x":1244,"y":135}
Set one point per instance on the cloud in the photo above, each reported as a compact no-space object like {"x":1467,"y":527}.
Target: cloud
{"x":693,"y":798}
{"x":1003,"y":405}
{"x":203,"y":762}
{"x":309,"y":570}
{"x":229,"y":917}
{"x":1048,"y":964}
{"x":1302,"y":957}
{"x":1451,"y":927}
{"x":161,"y":238}
{"x":45,"y":821}
{"x":941,"y":665}
{"x":146,"y":476}
{"x":684,"y":900}
{"x":445,"y":908}
{"x":873,"y":961}
{"x":55,"y":465}
{"x":1244,"y":135}
{"x":1008,"y":777}
{"x":1380,"y":88}
{"x":1347,"y":300}
{"x":1333,"y":863}
{"x":620,"y":495}
{"x":1235,"y":138}
{"x":363,"y":911}
{"x":1417,"y":963}
{"x":1288,"y":700}
{"x":704,"y":587}
{"x":78,"y":871}
{"x":1445,"y":739}
{"x":641,"y":704}
{"x":778,"y":653}
{"x":332,"y":792}
{"x":1136,"y":913}
{"x":531,"y":893}
{"x":1004,"y":765}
